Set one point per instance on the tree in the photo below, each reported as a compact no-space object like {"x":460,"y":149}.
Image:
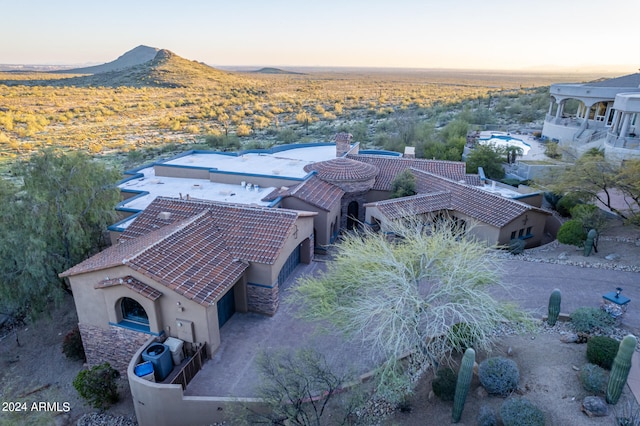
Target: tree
{"x":403,"y":185}
{"x":407,"y":294}
{"x":56,"y":219}
{"x":628,"y":182}
{"x":299,"y":388}
{"x":590,"y":178}
{"x":489,"y":157}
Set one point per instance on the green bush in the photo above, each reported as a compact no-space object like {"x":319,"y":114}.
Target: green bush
{"x":462,"y":335}
{"x":566,"y":203}
{"x":593,"y":378}
{"x":98,"y":385}
{"x":601,"y":350}
{"x":572,"y":232}
{"x":444,"y":384}
{"x":72,"y":345}
{"x":499,"y":375}
{"x":521,"y":412}
{"x":487,"y":417}
{"x":590,"y":320}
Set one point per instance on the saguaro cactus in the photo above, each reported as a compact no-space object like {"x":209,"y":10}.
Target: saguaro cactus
{"x":620,"y":369}
{"x":554,"y":307}
{"x":589,"y":244}
{"x":464,"y":382}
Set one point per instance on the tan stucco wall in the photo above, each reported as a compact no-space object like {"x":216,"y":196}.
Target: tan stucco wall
{"x":165,"y":405}
{"x":98,"y":307}
{"x":262,"y":181}
{"x":181,"y":172}
{"x":535,"y":220}
{"x":322,"y":222}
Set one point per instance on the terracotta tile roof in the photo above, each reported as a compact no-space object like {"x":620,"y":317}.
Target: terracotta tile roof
{"x":132,"y":283}
{"x":481,"y":205}
{"x":253,"y":233}
{"x":190,"y":257}
{"x":195,"y":248}
{"x":313,"y":191}
{"x":413,"y":205}
{"x":390,"y":167}
{"x":342,"y":169}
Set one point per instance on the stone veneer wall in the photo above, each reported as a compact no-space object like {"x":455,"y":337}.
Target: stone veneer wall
{"x":262,"y":300}
{"x":360,"y":198}
{"x":115,"y":345}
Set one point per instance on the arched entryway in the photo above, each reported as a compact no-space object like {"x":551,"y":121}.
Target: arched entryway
{"x":352,"y":214}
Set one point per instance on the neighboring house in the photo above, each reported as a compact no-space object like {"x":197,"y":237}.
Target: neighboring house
{"x":205,"y":234}
{"x":493,"y":217}
{"x":607,"y":117}
{"x":181,"y":270}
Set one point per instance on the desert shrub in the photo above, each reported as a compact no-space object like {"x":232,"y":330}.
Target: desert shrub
{"x":593,"y":378}
{"x":566,"y":203}
{"x":521,"y":412}
{"x":572,"y":232}
{"x":601,"y":350}
{"x":588,"y":319}
{"x":516,"y":246}
{"x":552,"y":198}
{"x":444,"y":384}
{"x":72,"y":345}
{"x":487,"y":417}
{"x":499,"y":375}
{"x":98,"y":385}
{"x":461,"y":336}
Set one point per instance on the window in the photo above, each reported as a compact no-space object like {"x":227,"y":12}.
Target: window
{"x":520,"y":233}
{"x":513,"y":235}
{"x":529,"y":231}
{"x":133,"y":314}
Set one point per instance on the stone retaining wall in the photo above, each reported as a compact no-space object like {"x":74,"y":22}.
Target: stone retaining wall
{"x":115,"y":345}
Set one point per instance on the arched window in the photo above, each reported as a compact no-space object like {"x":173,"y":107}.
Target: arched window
{"x":133,"y":312}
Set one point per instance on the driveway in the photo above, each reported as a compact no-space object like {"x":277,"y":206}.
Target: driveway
{"x":232,"y":371}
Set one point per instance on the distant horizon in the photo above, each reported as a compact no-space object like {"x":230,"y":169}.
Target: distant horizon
{"x":545,"y":69}
{"x":406,"y":34}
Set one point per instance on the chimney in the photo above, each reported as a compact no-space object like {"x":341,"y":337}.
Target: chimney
{"x":343,"y":143}
{"x":409,"y":152}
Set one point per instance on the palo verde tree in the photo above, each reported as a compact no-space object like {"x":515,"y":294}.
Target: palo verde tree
{"x":409,"y":293}
{"x":590,"y":178}
{"x":55,"y":219}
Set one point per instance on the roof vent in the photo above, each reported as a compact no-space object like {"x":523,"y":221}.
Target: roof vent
{"x":164,"y":215}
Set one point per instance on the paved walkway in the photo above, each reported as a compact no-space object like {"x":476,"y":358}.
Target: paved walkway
{"x":232,"y":370}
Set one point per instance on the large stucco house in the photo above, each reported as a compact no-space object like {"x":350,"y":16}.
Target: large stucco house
{"x":205,"y":234}
{"x":607,"y":117}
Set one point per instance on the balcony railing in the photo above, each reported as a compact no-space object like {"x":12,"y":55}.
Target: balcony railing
{"x":628,"y":142}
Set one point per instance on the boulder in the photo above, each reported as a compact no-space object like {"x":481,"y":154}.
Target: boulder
{"x":612,"y":256}
{"x":595,"y":406}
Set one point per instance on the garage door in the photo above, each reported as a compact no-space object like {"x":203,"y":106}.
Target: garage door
{"x":289,"y":265}
{"x":226,"y":307}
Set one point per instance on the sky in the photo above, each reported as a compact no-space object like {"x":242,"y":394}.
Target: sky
{"x":471,"y":34}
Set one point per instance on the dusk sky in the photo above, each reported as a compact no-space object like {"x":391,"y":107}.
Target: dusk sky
{"x":490,"y":34}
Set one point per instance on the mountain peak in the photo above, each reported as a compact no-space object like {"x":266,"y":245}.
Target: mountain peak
{"x":136,"y":56}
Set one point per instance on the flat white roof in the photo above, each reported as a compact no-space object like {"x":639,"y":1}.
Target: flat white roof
{"x":288,"y":163}
{"x":195,"y":188}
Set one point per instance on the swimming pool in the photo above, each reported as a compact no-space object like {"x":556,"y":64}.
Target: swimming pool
{"x":505,"y":140}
